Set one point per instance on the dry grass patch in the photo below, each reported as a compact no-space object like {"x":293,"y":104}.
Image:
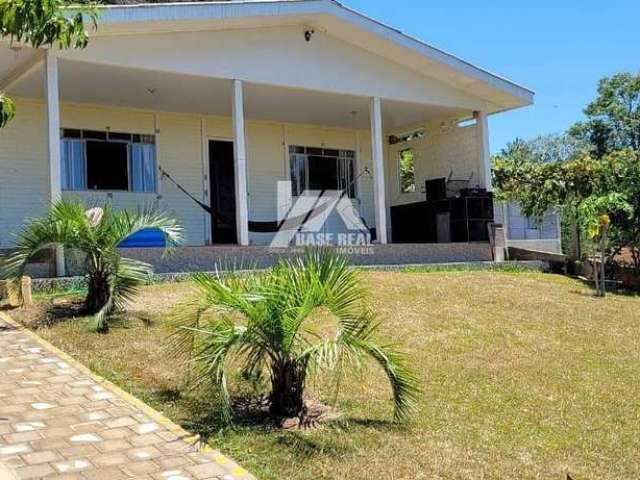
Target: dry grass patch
{"x":524,"y":376}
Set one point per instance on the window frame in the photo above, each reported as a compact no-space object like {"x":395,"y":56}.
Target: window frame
{"x":151,"y":139}
{"x":399,"y":170}
{"x":342,"y":155}
{"x":530,"y":224}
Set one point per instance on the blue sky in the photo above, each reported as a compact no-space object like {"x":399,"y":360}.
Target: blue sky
{"x":559,"y":49}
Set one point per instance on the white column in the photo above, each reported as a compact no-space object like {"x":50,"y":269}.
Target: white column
{"x":377,"y":153}
{"x":484,"y":154}
{"x":240,"y":157}
{"x":53,"y":140}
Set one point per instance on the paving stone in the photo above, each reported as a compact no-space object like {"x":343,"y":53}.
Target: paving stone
{"x":113,"y":445}
{"x":13,"y":462}
{"x":206,"y":470}
{"x":110,"y":459}
{"x":21,"y":437}
{"x":85,"y":438}
{"x":116,"y":433}
{"x":64,"y":424}
{"x":14,"y":449}
{"x":145,"y":440}
{"x":75,"y":465}
{"x":144,"y":453}
{"x":170,"y":462}
{"x":105,"y":473}
{"x":41,"y":457}
{"x":140,"y":468}
{"x":34,"y":471}
{"x":119,"y":422}
{"x":50,"y":444}
{"x":79,"y":451}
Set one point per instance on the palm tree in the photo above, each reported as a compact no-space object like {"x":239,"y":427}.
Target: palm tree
{"x":267,"y":324}
{"x":112,"y":279}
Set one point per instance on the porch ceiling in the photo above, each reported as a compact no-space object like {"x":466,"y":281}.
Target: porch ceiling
{"x":82,"y":82}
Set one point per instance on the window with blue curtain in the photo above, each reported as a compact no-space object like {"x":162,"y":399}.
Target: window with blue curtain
{"x":105,"y":160}
{"x":143,"y":167}
{"x":73,"y":164}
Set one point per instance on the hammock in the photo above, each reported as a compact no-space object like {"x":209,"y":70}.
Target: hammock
{"x":268,"y":226}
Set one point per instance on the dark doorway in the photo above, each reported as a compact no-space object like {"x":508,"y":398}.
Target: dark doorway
{"x":223,"y":192}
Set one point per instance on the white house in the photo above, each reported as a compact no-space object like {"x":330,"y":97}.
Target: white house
{"x":231,"y":98}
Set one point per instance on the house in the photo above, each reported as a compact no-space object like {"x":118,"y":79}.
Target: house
{"x":524,"y":232}
{"x":221,"y":102}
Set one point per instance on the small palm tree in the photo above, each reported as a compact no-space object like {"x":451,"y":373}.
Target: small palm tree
{"x":112,"y":279}
{"x":268,"y":324}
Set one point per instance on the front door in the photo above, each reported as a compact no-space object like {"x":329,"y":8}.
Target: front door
{"x":223,"y":192}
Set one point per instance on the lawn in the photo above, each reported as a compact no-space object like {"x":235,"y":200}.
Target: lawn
{"x":524,"y":375}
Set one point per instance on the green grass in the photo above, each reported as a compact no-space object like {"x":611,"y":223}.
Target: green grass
{"x":507,"y":267}
{"x":524,"y":376}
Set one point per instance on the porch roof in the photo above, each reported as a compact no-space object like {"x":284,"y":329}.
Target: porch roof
{"x":171,"y":92}
{"x":325,"y":15}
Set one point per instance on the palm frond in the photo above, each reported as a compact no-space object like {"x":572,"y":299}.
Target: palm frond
{"x":264,"y":323}
{"x":404,"y":383}
{"x":68,"y":223}
{"x":219,"y":342}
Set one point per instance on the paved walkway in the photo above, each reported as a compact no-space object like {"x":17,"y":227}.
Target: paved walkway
{"x":58,"y":420}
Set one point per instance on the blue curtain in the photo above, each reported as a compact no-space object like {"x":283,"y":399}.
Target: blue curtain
{"x":143,"y":167}
{"x":73,"y":164}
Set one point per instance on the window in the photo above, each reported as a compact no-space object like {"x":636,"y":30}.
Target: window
{"x":407,"y":171}
{"x":322,"y":169}
{"x":95,"y":160}
{"x":531,"y":223}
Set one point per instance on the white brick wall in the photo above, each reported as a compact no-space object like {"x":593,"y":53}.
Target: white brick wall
{"x":437,"y":154}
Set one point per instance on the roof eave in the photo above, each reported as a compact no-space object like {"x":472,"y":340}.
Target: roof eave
{"x":201,"y":11}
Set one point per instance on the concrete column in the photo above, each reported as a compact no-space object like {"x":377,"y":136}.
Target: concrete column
{"x":377,"y":153}
{"x":240,"y":157}
{"x":53,"y":140}
{"x":484,"y":153}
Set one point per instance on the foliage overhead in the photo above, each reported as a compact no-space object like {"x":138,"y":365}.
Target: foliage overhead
{"x":271,"y":326}
{"x":407,"y":171}
{"x":42,"y":23}
{"x":112,"y":279}
{"x":613,"y":118}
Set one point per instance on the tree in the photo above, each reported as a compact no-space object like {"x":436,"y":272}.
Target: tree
{"x":548,"y":149}
{"x":112,"y":280}
{"x":42,"y":23}
{"x":605,"y":192}
{"x":597,"y":212}
{"x":545,"y":148}
{"x":613,"y":118}
{"x":268,"y":326}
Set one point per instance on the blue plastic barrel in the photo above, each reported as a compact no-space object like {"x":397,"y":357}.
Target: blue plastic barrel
{"x":147,"y":238}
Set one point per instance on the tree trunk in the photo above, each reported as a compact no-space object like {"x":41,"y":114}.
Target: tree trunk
{"x":287,"y":389}
{"x":603,"y":244}
{"x":575,"y":248}
{"x":97,"y":292}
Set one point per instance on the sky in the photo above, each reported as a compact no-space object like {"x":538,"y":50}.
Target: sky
{"x":559,"y":49}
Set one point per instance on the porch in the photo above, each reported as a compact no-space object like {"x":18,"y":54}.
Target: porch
{"x":208,"y":123}
{"x":189,"y":118}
